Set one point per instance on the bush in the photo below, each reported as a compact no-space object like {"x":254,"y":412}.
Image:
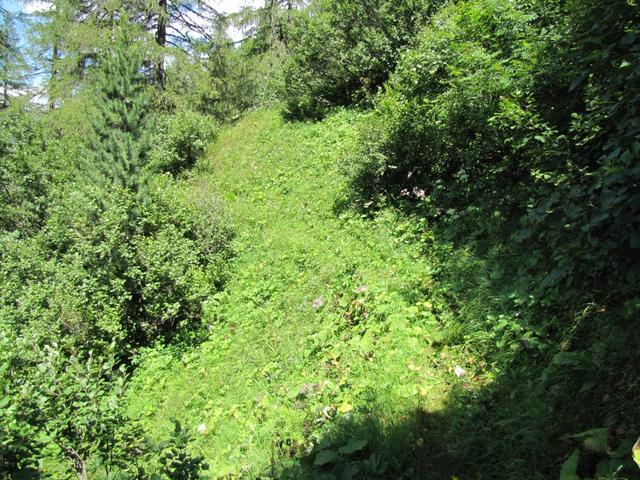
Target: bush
{"x":432,"y":127}
{"x":98,"y":258}
{"x":466,"y":128}
{"x":103,"y":277}
{"x":180,"y":139}
{"x":32,"y":165}
{"x":513,"y":127}
{"x":94,"y":437}
{"x":342,"y":51}
{"x":114,"y":271}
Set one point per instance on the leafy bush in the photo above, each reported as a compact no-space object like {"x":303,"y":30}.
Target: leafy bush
{"x":32,"y":165}
{"x":433,"y":123}
{"x":465,"y":128}
{"x":93,"y":270}
{"x":103,"y":277}
{"x":344,"y":50}
{"x":70,"y":412}
{"x":116,"y":270}
{"x":180,"y":139}
{"x":514,"y":129}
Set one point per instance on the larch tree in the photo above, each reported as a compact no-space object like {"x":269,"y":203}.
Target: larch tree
{"x":12,"y":62}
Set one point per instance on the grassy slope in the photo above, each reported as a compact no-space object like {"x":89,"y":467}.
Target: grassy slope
{"x":275,"y":373}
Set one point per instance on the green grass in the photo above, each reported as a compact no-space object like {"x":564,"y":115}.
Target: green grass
{"x":275,"y":373}
{"x":331,"y":351}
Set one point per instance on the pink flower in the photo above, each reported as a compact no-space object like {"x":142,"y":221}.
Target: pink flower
{"x":318,"y":302}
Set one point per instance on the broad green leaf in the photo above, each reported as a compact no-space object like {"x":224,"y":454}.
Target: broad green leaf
{"x":595,"y":439}
{"x":324,"y":457}
{"x":349,"y":472}
{"x":608,"y":467}
{"x":598,"y":442}
{"x":353,"y":446}
{"x":622,"y":450}
{"x":636,"y":452}
{"x":569,"y":467}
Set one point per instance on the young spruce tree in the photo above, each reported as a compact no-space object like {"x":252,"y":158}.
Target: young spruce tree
{"x":120,"y":138}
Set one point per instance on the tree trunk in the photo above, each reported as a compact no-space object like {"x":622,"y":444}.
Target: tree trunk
{"x":79,"y":463}
{"x":286,"y":34}
{"x":161,"y":40}
{"x":5,"y":93}
{"x":55,"y":52}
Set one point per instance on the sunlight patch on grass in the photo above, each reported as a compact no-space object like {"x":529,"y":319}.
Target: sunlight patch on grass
{"x":275,"y":370}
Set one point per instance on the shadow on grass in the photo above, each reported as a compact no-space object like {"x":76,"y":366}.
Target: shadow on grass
{"x":560,"y":383}
{"x":494,"y":432}
{"x":563,"y":359}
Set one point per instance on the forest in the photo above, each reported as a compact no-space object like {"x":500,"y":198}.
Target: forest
{"x":320,"y":239}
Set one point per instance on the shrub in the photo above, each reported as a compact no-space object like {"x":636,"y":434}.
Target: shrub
{"x":104,"y":276}
{"x":114,"y":271}
{"x":513,"y":127}
{"x":70,"y":412}
{"x":466,"y":127}
{"x":432,"y":127}
{"x":32,"y":165}
{"x":180,"y":139}
{"x":92,"y":271}
{"x":344,"y":50}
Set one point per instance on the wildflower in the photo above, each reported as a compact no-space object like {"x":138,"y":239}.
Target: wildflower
{"x":419,"y":192}
{"x":318,"y":302}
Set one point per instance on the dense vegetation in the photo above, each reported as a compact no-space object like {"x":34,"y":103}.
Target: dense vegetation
{"x":421,"y":262}
{"x":102,"y":254}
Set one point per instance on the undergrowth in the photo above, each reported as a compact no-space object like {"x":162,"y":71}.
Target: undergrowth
{"x":344,"y":347}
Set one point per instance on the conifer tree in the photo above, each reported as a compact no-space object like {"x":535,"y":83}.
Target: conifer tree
{"x":12,"y":63}
{"x":122,"y":101}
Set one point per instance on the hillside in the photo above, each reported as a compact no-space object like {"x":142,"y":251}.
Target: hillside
{"x":334,"y":348}
{"x":363,"y":240}
{"x":318,"y":322}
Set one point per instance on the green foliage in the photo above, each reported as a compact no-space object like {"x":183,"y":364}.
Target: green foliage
{"x":97,"y":279}
{"x":513,"y":130}
{"x":465,"y":128}
{"x":342,"y":51}
{"x":68,"y":412}
{"x":232,"y":82}
{"x":81,"y":412}
{"x":12,"y":62}
{"x":181,"y":139}
{"x":474,"y":311}
{"x":275,"y":374}
{"x":172,"y":460}
{"x":88,"y":276}
{"x":118,"y":150}
{"x":62,"y":407}
{"x":613,"y":461}
{"x":434,"y":125}
{"x":223,"y":81}
{"x":24,"y":177}
{"x":92,"y":271}
{"x":118,"y":271}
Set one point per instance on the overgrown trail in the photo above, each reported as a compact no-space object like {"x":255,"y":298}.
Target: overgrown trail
{"x":317,"y":323}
